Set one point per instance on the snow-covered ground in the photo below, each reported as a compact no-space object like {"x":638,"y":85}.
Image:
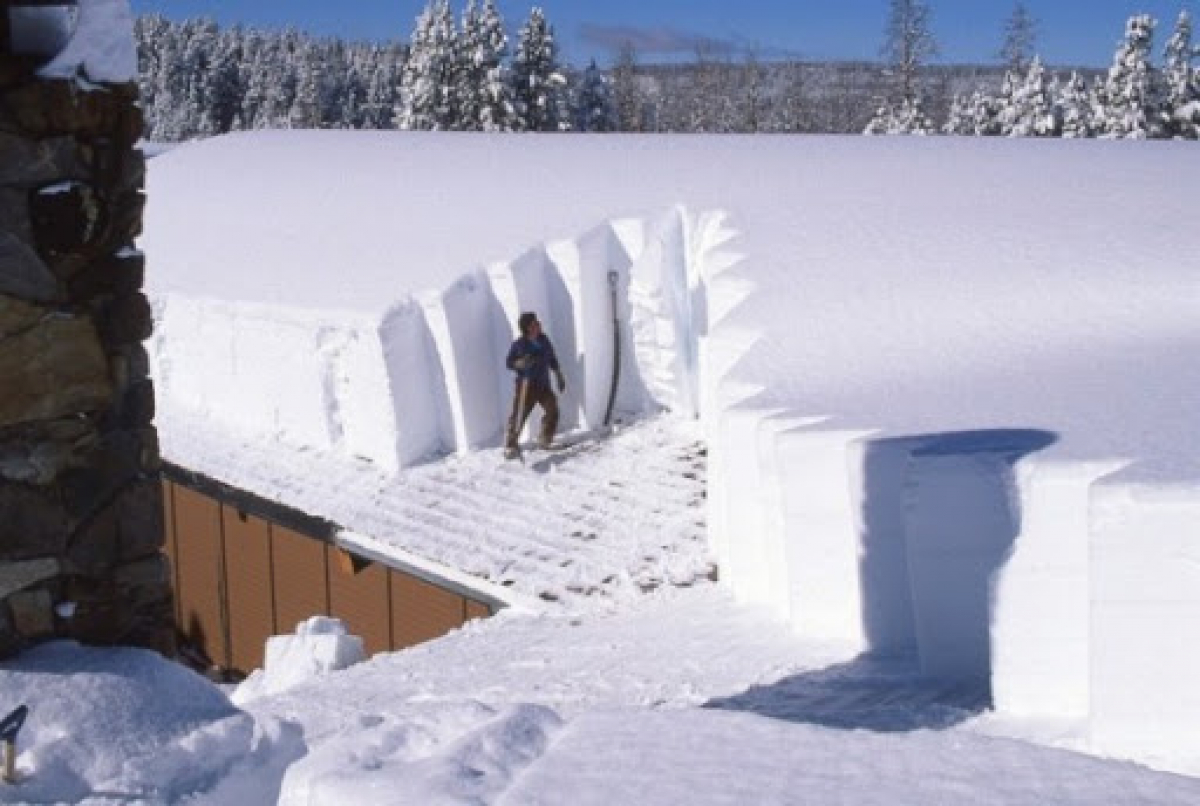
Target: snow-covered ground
{"x":681,"y":696}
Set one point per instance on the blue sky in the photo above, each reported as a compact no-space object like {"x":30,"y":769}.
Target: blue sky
{"x":1081,"y":32}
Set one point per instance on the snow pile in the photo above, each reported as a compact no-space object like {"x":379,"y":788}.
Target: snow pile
{"x":319,"y":646}
{"x":102,"y":47}
{"x":128,"y":724}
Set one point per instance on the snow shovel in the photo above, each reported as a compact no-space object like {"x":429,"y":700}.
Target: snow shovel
{"x":518,"y":420}
{"x":9,"y":729}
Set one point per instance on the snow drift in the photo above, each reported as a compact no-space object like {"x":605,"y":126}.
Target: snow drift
{"x":949,"y":386}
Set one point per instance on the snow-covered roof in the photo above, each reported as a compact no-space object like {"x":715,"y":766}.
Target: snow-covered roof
{"x":903,"y":285}
{"x":101,"y":48}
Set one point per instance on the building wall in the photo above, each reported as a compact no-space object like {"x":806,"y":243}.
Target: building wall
{"x":241,"y":578}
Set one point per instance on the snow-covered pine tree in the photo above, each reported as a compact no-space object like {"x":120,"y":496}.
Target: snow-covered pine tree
{"x":379,"y":107}
{"x":426,"y":93}
{"x":497,"y":111}
{"x":1020,"y":39}
{"x":538,"y":84}
{"x":627,"y":96}
{"x":1132,"y":101}
{"x":1077,"y":103}
{"x":1183,"y":81}
{"x":907,"y":118}
{"x":984,"y":113}
{"x":306,"y":107}
{"x":592,"y":108}
{"x":1034,"y":111}
{"x":959,"y":122}
{"x":224,"y":87}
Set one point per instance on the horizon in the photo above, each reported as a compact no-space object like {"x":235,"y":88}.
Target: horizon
{"x":1079,"y":33}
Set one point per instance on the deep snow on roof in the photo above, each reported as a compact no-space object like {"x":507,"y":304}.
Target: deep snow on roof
{"x":908,"y":285}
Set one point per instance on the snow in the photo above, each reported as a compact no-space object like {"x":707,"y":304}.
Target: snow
{"x":319,"y":646}
{"x":102,"y":48}
{"x":119,"y":723}
{"x":950,"y":422}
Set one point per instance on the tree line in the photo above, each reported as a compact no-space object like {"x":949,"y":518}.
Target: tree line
{"x":461,"y":73}
{"x":1134,"y":99}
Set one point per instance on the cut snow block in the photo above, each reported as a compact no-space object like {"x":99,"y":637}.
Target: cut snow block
{"x":880,"y":468}
{"x":464,"y":321}
{"x":320,"y":645}
{"x":1145,"y":659}
{"x":820,"y":532}
{"x":773,"y":493}
{"x":960,"y":524}
{"x":359,"y":412}
{"x":663,"y":326}
{"x":518,"y":287}
{"x":743,"y":524}
{"x":417,"y":389}
{"x":1040,"y":638}
{"x":583,"y":265}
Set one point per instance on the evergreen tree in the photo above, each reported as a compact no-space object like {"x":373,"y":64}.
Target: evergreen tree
{"x":1077,"y":103}
{"x":538,"y":83}
{"x":427,"y":82}
{"x":627,"y":97}
{"x":1020,"y":39}
{"x":1034,"y":110}
{"x":906,"y":118}
{"x":908,"y":45}
{"x":1183,"y":81}
{"x":378,"y":109}
{"x":592,"y":108}
{"x":486,"y":97}
{"x":1132,"y":101}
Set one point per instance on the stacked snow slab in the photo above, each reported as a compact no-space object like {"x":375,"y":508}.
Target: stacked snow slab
{"x":930,"y":370}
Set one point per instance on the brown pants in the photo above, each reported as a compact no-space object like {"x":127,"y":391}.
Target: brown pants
{"x":534,"y":396}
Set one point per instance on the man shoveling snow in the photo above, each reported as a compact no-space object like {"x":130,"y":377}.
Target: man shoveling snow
{"x":532,"y":357}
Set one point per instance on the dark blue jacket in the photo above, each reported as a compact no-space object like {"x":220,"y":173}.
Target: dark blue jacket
{"x":542,"y":359}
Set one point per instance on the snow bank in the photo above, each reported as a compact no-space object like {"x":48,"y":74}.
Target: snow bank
{"x":933,"y":373}
{"x":102,"y":47}
{"x":127,"y":721}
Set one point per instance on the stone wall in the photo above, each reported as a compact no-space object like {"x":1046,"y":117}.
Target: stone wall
{"x":81,"y":527}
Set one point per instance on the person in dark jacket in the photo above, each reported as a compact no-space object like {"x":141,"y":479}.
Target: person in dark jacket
{"x":532,"y":357}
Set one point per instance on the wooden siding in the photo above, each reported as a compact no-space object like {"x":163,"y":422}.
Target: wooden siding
{"x":301,"y":579}
{"x":201,"y":583}
{"x":422,"y":611}
{"x":251,"y":596}
{"x":241,"y":578}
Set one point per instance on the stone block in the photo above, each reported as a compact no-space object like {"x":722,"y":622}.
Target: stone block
{"x":150,"y":455}
{"x":27,"y":162}
{"x":22,"y":272}
{"x":149,"y":572}
{"x":36,"y":453}
{"x":137,"y":406}
{"x":94,"y":547}
{"x":32,"y":613}
{"x":17,"y":576}
{"x":17,"y":315}
{"x":128,"y":319}
{"x":53,"y":370}
{"x":58,"y":107}
{"x":65,"y":217}
{"x":139,"y":511}
{"x":34,"y":524}
{"x":116,"y":275}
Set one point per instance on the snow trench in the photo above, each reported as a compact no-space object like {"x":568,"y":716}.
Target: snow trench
{"x":1048,"y":584}
{"x":428,"y":378}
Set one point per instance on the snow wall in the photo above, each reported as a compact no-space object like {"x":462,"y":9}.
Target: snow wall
{"x":428,"y":377}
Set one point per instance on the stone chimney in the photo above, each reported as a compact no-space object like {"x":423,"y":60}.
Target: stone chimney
{"x":81,"y":529}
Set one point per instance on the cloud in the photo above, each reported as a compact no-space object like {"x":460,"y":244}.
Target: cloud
{"x":654,"y":41}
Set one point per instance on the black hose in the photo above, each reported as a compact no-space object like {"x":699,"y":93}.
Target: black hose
{"x":613,"y":281}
